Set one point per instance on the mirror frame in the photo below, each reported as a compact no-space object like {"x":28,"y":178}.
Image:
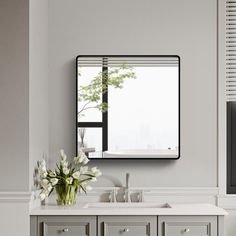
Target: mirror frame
{"x":179,"y":110}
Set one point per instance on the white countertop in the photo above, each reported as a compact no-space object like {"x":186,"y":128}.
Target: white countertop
{"x":176,"y":209}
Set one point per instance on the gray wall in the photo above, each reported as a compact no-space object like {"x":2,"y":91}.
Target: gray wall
{"x":23,"y":91}
{"x":184,"y":27}
{"x":14,"y":95}
{"x":38,"y":84}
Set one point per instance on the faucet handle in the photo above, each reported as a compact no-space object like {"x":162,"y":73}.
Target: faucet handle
{"x":140,"y":196}
{"x":112,"y":196}
{"x":127,"y":196}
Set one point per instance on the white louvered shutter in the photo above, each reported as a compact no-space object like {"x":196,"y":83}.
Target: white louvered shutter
{"x":230,"y":50}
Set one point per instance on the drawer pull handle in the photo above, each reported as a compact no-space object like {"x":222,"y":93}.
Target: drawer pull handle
{"x":187,"y":230}
{"x":126,"y":230}
{"x":65,"y":230}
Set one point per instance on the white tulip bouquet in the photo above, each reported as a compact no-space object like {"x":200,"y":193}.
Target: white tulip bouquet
{"x":67,"y":179}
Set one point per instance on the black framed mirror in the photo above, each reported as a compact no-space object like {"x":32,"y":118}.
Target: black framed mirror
{"x":128,"y":107}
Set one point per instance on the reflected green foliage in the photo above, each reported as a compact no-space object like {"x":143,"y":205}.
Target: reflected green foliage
{"x":91,"y":94}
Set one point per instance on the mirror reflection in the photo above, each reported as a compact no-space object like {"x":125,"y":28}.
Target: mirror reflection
{"x":128,"y":106}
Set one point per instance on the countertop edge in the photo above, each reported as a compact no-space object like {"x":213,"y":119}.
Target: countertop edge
{"x":175,"y":210}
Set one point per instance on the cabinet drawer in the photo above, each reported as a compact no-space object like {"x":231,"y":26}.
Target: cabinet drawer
{"x":189,"y":226}
{"x":68,"y":226}
{"x":127,"y":226}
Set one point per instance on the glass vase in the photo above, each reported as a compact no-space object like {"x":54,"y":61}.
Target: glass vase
{"x":66,"y":195}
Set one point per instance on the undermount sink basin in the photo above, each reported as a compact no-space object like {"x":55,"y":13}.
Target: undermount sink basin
{"x":111,"y":205}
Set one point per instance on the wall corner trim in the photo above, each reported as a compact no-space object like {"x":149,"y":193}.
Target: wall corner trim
{"x":15,"y":197}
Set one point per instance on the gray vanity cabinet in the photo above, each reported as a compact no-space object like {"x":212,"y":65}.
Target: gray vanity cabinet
{"x":187,"y":225}
{"x":68,"y":226}
{"x":127,"y":226}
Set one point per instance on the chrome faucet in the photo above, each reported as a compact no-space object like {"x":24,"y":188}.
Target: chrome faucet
{"x":127,"y":191}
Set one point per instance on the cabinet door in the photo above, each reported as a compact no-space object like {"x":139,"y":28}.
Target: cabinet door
{"x":189,"y":226}
{"x":67,"y":225}
{"x":127,"y":226}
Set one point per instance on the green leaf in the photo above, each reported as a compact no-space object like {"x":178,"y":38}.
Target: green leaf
{"x":50,"y":192}
{"x":82,"y":187}
{"x":90,"y":175}
{"x":92,"y":93}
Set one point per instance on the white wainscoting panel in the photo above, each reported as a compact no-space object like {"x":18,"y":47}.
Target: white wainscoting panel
{"x":230,"y":223}
{"x":228,"y":202}
{"x":14,"y":213}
